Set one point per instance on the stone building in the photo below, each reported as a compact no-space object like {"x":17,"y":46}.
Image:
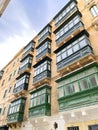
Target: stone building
{"x":52,"y":83}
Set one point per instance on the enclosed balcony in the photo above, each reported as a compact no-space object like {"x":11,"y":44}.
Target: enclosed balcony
{"x":43,"y":75}
{"x":26,"y":64}
{"x":16,"y":111}
{"x":45,"y":33}
{"x":44,"y":49}
{"x":78,"y":89}
{"x":74,"y":57}
{"x":70,"y":28}
{"x":72,"y":52}
{"x":22,"y":84}
{"x":28,"y":50}
{"x":42,"y":70}
{"x":40,"y":102}
{"x":66,"y":12}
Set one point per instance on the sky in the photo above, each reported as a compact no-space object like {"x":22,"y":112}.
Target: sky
{"x":20,"y":23}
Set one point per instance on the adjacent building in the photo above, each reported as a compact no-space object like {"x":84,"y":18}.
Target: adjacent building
{"x":3,"y":5}
{"x":52,"y":83}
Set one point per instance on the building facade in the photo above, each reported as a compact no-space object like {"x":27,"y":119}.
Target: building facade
{"x":52,"y":83}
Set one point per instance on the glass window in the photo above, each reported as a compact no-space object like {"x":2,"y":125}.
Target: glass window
{"x":73,"y":128}
{"x":83,"y":84}
{"x":83,"y":43}
{"x":71,"y":24}
{"x":59,"y":58}
{"x":69,"y":51}
{"x":42,"y":99}
{"x":61,"y":92}
{"x":5,"y":92}
{"x":3,"y":112}
{"x":75,"y":47}
{"x":75,"y":87}
{"x":3,"y":82}
{"x":93,"y":81}
{"x":94,"y":10}
{"x":64,"y":55}
{"x":93,"y":127}
{"x":68,"y":89}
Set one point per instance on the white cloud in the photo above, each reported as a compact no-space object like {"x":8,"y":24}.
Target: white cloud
{"x":14,"y":41}
{"x":12,"y":45}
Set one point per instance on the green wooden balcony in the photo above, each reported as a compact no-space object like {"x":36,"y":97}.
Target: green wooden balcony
{"x":78,"y":89}
{"x":81,"y":99}
{"x":16,"y":110}
{"x":40,"y":102}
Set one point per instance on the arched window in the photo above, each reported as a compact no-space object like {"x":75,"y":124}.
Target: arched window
{"x":94,"y":10}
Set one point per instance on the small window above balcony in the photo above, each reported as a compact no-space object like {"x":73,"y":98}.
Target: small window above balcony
{"x":28,"y":49}
{"x":22,"y":83}
{"x":46,"y":32}
{"x":1,"y":73}
{"x":26,"y":64}
{"x":66,"y":12}
{"x":43,"y":49}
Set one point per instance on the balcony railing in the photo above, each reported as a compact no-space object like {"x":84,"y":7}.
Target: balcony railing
{"x":41,"y":76}
{"x":73,"y":10}
{"x":47,"y":50}
{"x":20,"y":88}
{"x":44,"y":37}
{"x":69,"y":32}
{"x":27,"y":66}
{"x":42,"y":110}
{"x":16,"y":117}
{"x":72,"y":58}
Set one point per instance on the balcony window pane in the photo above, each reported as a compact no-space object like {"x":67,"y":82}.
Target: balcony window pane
{"x":34,"y":102}
{"x":84,"y":84}
{"x":61,"y":92}
{"x":76,"y":19}
{"x":42,"y":99}
{"x":63,"y":13}
{"x":93,"y":81}
{"x":38,"y":100}
{"x":69,"y":51}
{"x":75,"y":87}
{"x":68,"y":89}
{"x":83,"y":43}
{"x":72,"y":5}
{"x":64,"y":55}
{"x":67,"y":9}
{"x":65,"y":28}
{"x":71,"y":24}
{"x":75,"y":47}
{"x":59,"y":58}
